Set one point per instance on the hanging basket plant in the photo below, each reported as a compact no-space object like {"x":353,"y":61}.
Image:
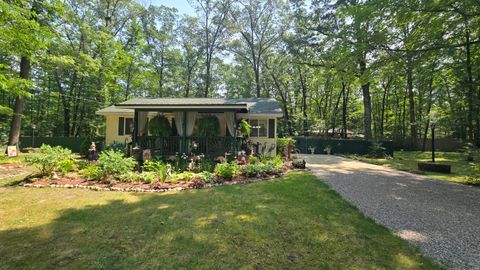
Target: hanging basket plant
{"x":244,"y":127}
{"x":159,"y":126}
{"x":208,"y":126}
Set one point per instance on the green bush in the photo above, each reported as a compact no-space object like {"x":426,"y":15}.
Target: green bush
{"x":66,"y":165}
{"x":282,"y":144}
{"x":158,"y":167}
{"x":377,"y":150}
{"x":208,"y":126}
{"x":51,"y":158}
{"x":251,"y":169}
{"x":91,"y":172}
{"x":159,"y":126}
{"x":82,"y":164}
{"x":208,"y":177}
{"x":473,"y":180}
{"x":227,"y":170}
{"x":112,"y":163}
{"x":186,"y":176}
{"x":252,"y":159}
{"x":278,"y":163}
{"x":136,"y":177}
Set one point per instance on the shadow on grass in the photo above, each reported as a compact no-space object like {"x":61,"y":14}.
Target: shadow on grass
{"x":295,"y":222}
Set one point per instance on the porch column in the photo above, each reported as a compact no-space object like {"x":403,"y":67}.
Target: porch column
{"x":235,"y":149}
{"x":184,"y":135}
{"x":135,"y":128}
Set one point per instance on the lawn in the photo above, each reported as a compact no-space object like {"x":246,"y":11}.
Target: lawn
{"x":294,"y":222}
{"x":407,"y":161}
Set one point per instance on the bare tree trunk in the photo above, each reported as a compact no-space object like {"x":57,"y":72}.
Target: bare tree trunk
{"x":367,"y":103}
{"x":411,"y":103}
{"x":14,"y":136}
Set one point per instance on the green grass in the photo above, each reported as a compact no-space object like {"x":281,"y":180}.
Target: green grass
{"x":294,"y":222}
{"x":407,"y":161}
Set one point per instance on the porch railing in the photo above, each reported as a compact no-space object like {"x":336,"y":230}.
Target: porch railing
{"x":209,"y":146}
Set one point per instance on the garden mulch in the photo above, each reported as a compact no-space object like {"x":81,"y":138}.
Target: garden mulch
{"x":77,"y":181}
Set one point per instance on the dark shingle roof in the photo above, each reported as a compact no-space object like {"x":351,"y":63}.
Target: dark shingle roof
{"x":253,"y":105}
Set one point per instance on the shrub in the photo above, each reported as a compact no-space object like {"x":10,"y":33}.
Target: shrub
{"x":473,"y":180}
{"x":377,"y":150}
{"x":135,"y":177}
{"x":267,"y":168}
{"x":252,"y":159}
{"x":82,"y":164}
{"x":66,"y":165}
{"x":282,"y":144}
{"x":159,"y":126}
{"x":251,"y":170}
{"x":50,"y":159}
{"x":278,"y":163}
{"x":112,"y":163}
{"x":158,"y":167}
{"x":91,"y":172}
{"x":208,"y":177}
{"x":186,"y":176}
{"x":227,"y":170}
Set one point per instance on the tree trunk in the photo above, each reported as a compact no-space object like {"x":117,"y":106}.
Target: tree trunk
{"x":367,"y":103}
{"x":411,"y":103}
{"x":304,"y":101}
{"x":14,"y":136}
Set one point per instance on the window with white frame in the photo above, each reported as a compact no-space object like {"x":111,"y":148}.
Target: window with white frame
{"x":259,"y":128}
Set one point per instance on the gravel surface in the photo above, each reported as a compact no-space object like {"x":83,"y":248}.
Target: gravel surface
{"x":441,"y":218}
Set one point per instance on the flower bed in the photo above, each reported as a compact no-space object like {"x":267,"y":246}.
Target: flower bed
{"x":114,"y":172}
{"x":137,"y":187}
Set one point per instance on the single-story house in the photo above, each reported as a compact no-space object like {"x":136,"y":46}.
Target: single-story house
{"x":133,"y":121}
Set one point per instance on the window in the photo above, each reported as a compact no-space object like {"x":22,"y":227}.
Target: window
{"x":125,"y":126}
{"x":259,"y":128}
{"x":128,"y":126}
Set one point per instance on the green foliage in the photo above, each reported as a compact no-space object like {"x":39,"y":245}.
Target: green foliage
{"x":208,"y":126}
{"x":52,"y":158}
{"x":282,"y":144}
{"x":159,"y":126}
{"x":245,"y":127}
{"x":208,"y":177}
{"x":473,"y":180}
{"x":91,"y":172}
{"x":158,"y":167}
{"x":112,"y":163}
{"x":227,"y":170}
{"x":66,"y":165}
{"x":137,"y":177}
{"x":252,"y":159}
{"x":377,"y":150}
{"x":186,"y":176}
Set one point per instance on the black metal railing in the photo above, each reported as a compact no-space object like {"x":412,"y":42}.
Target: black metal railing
{"x":209,"y":146}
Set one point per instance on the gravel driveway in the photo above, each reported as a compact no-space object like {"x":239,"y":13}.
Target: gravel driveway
{"x":441,"y":218}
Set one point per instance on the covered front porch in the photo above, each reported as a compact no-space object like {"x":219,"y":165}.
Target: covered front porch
{"x":208,"y":131}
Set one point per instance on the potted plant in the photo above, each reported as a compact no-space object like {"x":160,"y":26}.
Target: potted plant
{"x":244,"y":128}
{"x":159,"y":126}
{"x":328,"y":149}
{"x":312,"y":149}
{"x":208,"y":126}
